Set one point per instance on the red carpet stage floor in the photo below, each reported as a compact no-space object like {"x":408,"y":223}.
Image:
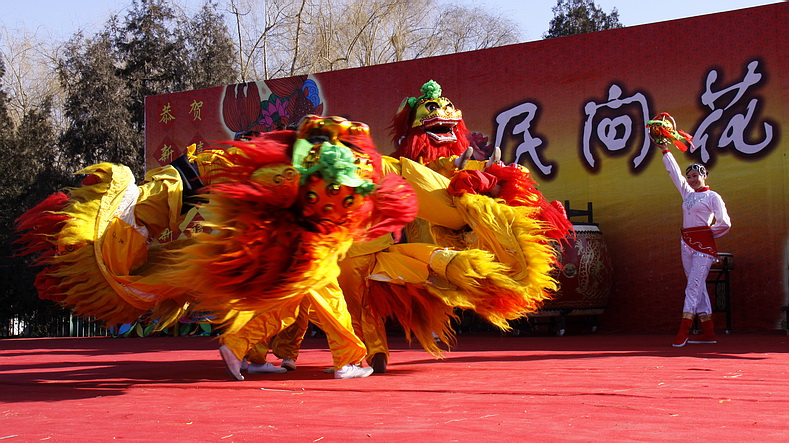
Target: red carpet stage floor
{"x":593,"y":387}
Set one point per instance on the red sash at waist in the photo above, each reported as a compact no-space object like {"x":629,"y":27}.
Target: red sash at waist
{"x":701,"y":240}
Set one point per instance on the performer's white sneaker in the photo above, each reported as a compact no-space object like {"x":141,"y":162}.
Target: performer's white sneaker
{"x":265,"y":368}
{"x":353,"y":371}
{"x":289,"y":364}
{"x":232,"y":363}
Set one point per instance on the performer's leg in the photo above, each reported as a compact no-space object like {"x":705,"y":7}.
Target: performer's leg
{"x":287,"y":343}
{"x":259,"y":329}
{"x":684,"y":330}
{"x":347,"y":349}
{"x":707,"y":330}
{"x":257,"y":364}
{"x":697,"y":286}
{"x":366,"y":324}
{"x":697,"y":267}
{"x":257,"y":353}
{"x":374,"y":330}
{"x":688,"y":314}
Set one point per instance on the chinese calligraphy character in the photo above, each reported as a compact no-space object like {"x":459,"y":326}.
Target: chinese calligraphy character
{"x":738,"y":123}
{"x":166,"y":114}
{"x":529,"y":144}
{"x":167,"y":154}
{"x":194,"y":109}
{"x":608,"y":129}
{"x":165,"y":235}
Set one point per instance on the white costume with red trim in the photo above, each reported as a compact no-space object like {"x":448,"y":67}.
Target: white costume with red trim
{"x":699,"y":210}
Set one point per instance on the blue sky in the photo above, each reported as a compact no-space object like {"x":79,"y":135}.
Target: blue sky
{"x":62,"y":18}
{"x":535,"y":15}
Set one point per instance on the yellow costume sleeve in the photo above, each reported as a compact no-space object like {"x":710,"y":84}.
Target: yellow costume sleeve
{"x":159,"y":203}
{"x":208,"y":161}
{"x":370,"y":247}
{"x":435,"y":204}
{"x":446,"y":165}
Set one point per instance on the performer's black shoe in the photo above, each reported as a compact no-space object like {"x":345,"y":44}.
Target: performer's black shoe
{"x":378,"y":363}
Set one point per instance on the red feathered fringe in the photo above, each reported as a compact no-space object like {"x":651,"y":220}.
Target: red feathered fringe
{"x":401,"y":124}
{"x":419,"y":147}
{"x":414,"y":144}
{"x":519,"y":189}
{"x":266,"y":149}
{"x":419,"y":312}
{"x":37,"y":230}
{"x":38,"y":226}
{"x":275,"y":147}
{"x":395,"y":205}
{"x":392,"y":206}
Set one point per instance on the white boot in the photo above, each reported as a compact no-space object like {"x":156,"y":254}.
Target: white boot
{"x":289,"y":364}
{"x":265,"y":368}
{"x":353,"y":371}
{"x":232,"y":363}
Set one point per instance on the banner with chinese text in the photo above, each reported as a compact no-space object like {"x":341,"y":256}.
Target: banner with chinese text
{"x":573,"y":110}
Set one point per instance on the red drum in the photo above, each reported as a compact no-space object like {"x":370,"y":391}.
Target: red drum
{"x":586,"y":275}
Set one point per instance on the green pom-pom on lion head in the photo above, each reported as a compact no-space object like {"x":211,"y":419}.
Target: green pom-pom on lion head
{"x":336,"y":164}
{"x":430,"y":90}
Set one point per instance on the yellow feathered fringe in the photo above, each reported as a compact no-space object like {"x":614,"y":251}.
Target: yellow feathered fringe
{"x":99,"y":269}
{"x":500,"y":267}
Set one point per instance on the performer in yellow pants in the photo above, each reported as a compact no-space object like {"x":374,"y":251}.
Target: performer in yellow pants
{"x":368,"y":326}
{"x":329,"y":306}
{"x":354,"y":270}
{"x":281,"y":210}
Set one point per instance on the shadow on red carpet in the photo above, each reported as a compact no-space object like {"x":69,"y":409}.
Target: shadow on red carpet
{"x":622,"y":387}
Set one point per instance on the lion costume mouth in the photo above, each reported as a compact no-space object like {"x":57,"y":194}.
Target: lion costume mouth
{"x":441,"y":129}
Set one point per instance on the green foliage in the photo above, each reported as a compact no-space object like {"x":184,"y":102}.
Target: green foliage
{"x":6,"y":126}
{"x":108,"y":76}
{"x":98,"y":107}
{"x":210,"y":49}
{"x":571,"y":17}
{"x":30,"y":173}
{"x":152,"y":56}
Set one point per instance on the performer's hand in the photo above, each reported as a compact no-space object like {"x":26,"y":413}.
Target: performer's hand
{"x":661,"y":143}
{"x":495,"y":157}
{"x":461,"y":161}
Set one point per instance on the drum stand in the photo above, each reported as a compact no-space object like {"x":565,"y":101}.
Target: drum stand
{"x":718,"y":281}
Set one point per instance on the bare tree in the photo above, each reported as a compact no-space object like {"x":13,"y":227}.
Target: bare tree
{"x":464,"y":29}
{"x":31,"y":78}
{"x":286,"y":38}
{"x":262,"y":29}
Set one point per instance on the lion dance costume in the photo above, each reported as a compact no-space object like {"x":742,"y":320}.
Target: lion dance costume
{"x":283,"y":208}
{"x":483,"y":240}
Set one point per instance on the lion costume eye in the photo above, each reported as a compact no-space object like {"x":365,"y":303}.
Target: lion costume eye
{"x":311,"y":197}
{"x":332,"y":189}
